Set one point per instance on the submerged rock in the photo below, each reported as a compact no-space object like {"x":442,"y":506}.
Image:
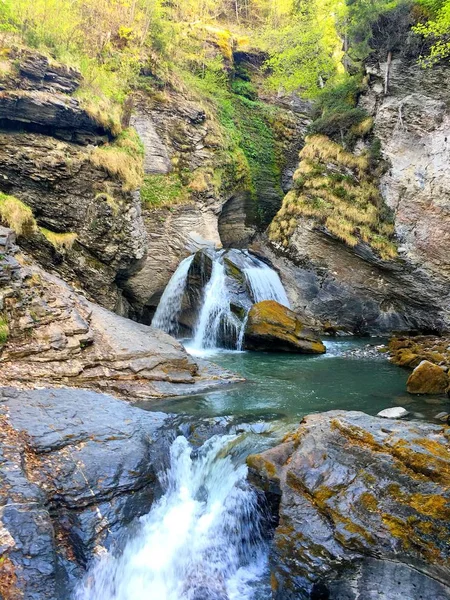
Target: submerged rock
{"x":428,"y":378}
{"x":275,"y":328}
{"x":362,"y":507}
{"x":397,"y":412}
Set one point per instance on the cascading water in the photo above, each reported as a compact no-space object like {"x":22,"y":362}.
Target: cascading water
{"x":202,"y":541}
{"x":265,"y":284}
{"x":216,"y":323}
{"x":169,"y":307}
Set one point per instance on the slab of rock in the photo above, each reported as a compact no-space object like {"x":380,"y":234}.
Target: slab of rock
{"x":428,"y":378}
{"x":56,"y":337}
{"x":77,"y":467}
{"x":397,"y":412}
{"x":362,"y":507}
{"x":275,"y":328}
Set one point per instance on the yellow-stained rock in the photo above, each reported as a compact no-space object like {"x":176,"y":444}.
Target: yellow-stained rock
{"x":428,"y":378}
{"x":275,"y":328}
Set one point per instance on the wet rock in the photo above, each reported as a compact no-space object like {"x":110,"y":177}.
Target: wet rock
{"x":77,"y":467}
{"x":428,"y":378}
{"x":362,"y":504}
{"x":275,"y":328}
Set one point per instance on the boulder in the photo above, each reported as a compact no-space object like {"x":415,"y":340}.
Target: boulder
{"x":428,"y":378}
{"x":361,"y":506}
{"x":77,"y":467}
{"x":274,"y":328}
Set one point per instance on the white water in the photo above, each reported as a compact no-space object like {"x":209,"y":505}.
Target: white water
{"x":169,"y":307}
{"x":216,"y":322}
{"x":265,"y":284}
{"x":201,"y":541}
{"x":217,"y":326}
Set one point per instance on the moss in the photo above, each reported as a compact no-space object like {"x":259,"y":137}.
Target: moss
{"x":369,"y":502}
{"x":4,"y":329}
{"x":163,"y":190}
{"x":60,"y":241}
{"x":262,"y":466}
{"x":17,"y":215}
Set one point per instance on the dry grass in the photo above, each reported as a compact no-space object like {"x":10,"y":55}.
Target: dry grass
{"x":336,"y":189}
{"x":320,"y":148}
{"x":123,"y":159}
{"x":17,"y":215}
{"x":60,"y":241}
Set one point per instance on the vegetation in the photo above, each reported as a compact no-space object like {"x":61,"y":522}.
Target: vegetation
{"x":60,"y":241}
{"x":434,"y":25}
{"x":4,"y":329}
{"x":17,"y":215}
{"x":122,"y":159}
{"x":337,"y":190}
{"x":163,"y":190}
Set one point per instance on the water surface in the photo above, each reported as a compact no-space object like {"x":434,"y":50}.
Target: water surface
{"x":290,"y":386}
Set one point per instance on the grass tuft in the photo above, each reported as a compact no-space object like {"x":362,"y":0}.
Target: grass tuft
{"x":122,"y":159}
{"x":4,"y":329}
{"x":60,"y":241}
{"x":17,"y":215}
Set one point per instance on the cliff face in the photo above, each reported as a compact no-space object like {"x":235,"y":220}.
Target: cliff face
{"x":352,"y":287}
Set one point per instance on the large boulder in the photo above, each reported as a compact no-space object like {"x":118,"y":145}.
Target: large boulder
{"x":362,"y":509}
{"x":428,"y":378}
{"x":77,"y":467}
{"x":275,"y":328}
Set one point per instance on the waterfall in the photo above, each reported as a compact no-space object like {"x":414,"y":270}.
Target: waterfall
{"x":217,"y":326}
{"x":265,"y":284}
{"x":169,"y":307}
{"x":201,"y":541}
{"x":216,"y":323}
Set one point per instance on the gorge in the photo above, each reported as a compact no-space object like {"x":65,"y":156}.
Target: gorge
{"x":224,"y":255}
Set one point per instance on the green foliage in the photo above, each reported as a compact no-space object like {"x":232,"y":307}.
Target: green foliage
{"x":336,"y":111}
{"x":305,"y":52}
{"x":4,"y":329}
{"x":163,"y":190}
{"x":436,"y":30}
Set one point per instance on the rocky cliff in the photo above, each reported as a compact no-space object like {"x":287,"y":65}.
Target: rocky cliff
{"x":54,"y":336}
{"x":353,"y":285}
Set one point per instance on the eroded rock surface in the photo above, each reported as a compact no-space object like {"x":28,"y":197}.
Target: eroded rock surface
{"x":428,"y":378}
{"x":362,"y":502}
{"x":58,"y":337}
{"x":77,"y":467}
{"x":275,"y":328}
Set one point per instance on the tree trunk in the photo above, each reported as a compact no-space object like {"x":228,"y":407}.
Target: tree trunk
{"x":388,"y":73}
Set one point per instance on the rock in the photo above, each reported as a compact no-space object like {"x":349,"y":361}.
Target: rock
{"x":428,"y":378}
{"x":275,"y":328}
{"x":58,"y":337}
{"x":357,"y":502}
{"x":393,"y":413}
{"x":77,"y":468}
{"x":57,"y":114}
